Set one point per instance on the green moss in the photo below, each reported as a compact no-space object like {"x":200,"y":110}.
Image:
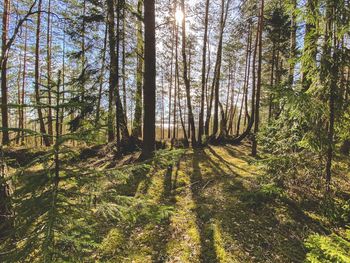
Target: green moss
{"x":112,"y":243}
{"x":333,"y":248}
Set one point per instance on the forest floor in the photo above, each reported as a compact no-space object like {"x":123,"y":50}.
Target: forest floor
{"x":220,"y":210}
{"x":221,"y":214}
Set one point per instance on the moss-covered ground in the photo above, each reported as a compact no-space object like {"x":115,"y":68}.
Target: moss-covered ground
{"x":221,"y":213}
{"x":197,"y":205}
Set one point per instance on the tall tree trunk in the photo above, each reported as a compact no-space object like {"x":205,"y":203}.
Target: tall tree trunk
{"x":171,"y":81}
{"x":162,"y":108}
{"x":247,"y":131}
{"x":123,"y":64}
{"x":231,"y":112}
{"x":19,"y":99}
{"x":246,"y":81}
{"x":186,"y":79}
{"x":272,"y":77}
{"x":46,"y":139}
{"x":204,"y":58}
{"x":258,"y":85}
{"x":113,"y":69}
{"x":217,"y":76}
{"x":122,"y":132}
{"x":149,"y":88}
{"x":333,"y":74}
{"x":83,"y":57}
{"x":293,"y":43}
{"x":136,"y":130}
{"x":63,"y":75}
{"x":176,"y":86}
{"x":4,"y":88}
{"x":101,"y":77}
{"x":24,"y":72}
{"x":48,"y":59}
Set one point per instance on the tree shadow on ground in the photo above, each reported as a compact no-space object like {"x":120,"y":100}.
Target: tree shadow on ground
{"x":268,"y":229}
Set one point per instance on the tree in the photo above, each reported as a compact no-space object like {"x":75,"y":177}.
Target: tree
{"x":137,"y":124}
{"x":204,"y":57}
{"x":186,"y":78}
{"x":39,"y":105}
{"x":113,"y":69}
{"x":258,"y":85}
{"x":217,"y":72}
{"x":149,"y":88}
{"x":4,"y":88}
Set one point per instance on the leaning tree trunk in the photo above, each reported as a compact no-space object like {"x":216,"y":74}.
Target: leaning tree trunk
{"x":186,"y":79}
{"x":216,"y":83}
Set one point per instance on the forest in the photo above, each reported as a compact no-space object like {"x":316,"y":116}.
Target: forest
{"x":175,"y":131}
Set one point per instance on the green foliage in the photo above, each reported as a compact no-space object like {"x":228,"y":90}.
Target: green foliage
{"x":336,"y":210}
{"x":266,"y":193}
{"x":87,"y":216}
{"x":332,"y":248}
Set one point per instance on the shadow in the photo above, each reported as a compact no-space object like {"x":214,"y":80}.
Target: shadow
{"x":222,"y":160}
{"x":131,"y":185}
{"x":268,"y":230}
{"x":203,"y":214}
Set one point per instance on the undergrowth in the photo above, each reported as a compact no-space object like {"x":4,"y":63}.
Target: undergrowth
{"x":87,"y":217}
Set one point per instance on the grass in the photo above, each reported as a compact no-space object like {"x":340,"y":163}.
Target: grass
{"x":207,"y":205}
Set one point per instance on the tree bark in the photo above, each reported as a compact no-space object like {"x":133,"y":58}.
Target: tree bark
{"x":101,"y":78}
{"x":113,"y":69}
{"x":137,"y":130}
{"x":186,"y":79}
{"x":46,"y":139}
{"x":4,"y":88}
{"x":258,"y":85}
{"x":216,"y":82}
{"x":333,"y":75}
{"x":48,"y":58}
{"x":149,"y":88}
{"x":293,"y":43}
{"x":204,"y":58}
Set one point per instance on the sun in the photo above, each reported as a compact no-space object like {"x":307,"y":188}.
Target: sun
{"x":179,"y":16}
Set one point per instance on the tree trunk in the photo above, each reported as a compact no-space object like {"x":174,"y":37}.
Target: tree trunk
{"x":48,"y":59}
{"x":149,"y":88}
{"x":272,"y":81}
{"x":186,"y":79}
{"x":4,"y":88}
{"x":46,"y":139}
{"x":101,"y":77}
{"x":216,"y":82}
{"x":123,"y":65}
{"x":333,"y":68}
{"x":258,"y":85}
{"x":113,"y":69}
{"x":136,"y":130}
{"x":204,"y":58}
{"x":171,"y":81}
{"x":293,"y":43}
